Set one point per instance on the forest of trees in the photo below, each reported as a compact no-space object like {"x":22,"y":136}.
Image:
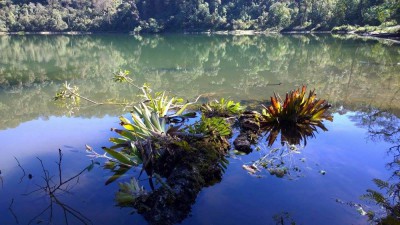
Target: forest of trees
{"x":192,"y":15}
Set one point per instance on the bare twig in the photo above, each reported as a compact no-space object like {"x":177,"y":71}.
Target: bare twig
{"x":61,"y":182}
{"x":59,"y":165}
{"x":97,"y":103}
{"x":52,"y":188}
{"x":19,"y":165}
{"x":1,"y":180}
{"x":189,"y":135}
{"x":73,"y":212}
{"x":12,"y":212}
{"x":41,"y":213}
{"x":71,"y":92}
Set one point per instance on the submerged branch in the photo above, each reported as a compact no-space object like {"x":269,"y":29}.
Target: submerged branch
{"x":1,"y":180}
{"x":23,"y":171}
{"x":188,"y":135}
{"x":41,"y":213}
{"x":100,"y":103}
{"x":12,"y":211}
{"x":68,"y":92}
{"x":79,"y":216}
{"x":51,"y":188}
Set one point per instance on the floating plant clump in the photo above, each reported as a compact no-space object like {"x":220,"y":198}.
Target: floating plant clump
{"x":297,"y":109}
{"x":296,"y":118}
{"x":182,"y":152}
{"x":280,"y":162}
{"x":179,"y":158}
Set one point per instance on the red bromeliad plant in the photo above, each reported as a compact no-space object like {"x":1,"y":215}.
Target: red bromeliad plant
{"x":296,"y":118}
{"x":297,"y":109}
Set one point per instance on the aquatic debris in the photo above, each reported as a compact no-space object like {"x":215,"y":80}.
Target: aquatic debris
{"x":323,"y":172}
{"x":360,"y":210}
{"x":278,"y":172}
{"x":237,"y":152}
{"x":251,"y":169}
{"x":293,"y":147}
{"x":281,"y":162}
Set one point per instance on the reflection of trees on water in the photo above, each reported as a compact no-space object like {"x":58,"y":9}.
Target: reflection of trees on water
{"x":348,"y":72}
{"x":384,"y":125}
{"x":381,"y":125}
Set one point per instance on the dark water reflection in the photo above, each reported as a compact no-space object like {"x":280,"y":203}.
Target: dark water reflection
{"x":348,"y":73}
{"x":360,"y":78}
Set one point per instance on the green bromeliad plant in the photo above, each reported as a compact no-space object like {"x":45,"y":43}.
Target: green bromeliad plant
{"x":214,"y":128}
{"x":147,"y":134}
{"x":154,"y":129}
{"x":222,"y":108}
{"x":158,"y":102}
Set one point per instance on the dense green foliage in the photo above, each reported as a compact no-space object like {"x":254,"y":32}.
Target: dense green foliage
{"x":192,"y":15}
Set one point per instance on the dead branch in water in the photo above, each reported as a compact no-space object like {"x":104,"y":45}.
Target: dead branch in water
{"x":52,"y":189}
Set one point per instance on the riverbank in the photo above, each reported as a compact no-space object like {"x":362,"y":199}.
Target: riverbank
{"x":380,"y":32}
{"x":371,"y":32}
{"x":390,"y":32}
{"x":46,"y":33}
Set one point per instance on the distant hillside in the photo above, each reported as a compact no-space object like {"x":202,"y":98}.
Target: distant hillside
{"x":192,"y":15}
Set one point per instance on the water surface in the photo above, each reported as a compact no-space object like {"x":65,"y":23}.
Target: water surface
{"x":360,"y":78}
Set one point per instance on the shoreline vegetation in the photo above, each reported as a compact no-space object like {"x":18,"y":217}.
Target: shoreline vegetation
{"x":379,"y":18}
{"x":381,"y":32}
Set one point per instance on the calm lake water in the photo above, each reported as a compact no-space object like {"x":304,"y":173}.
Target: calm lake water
{"x":360,"y":78}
